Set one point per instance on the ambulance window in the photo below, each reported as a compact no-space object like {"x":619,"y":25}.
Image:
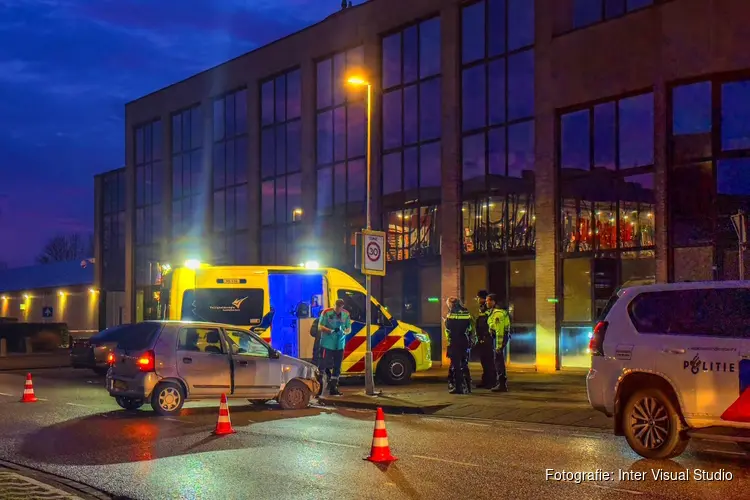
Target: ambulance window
{"x":354,"y":302}
{"x":232,"y":306}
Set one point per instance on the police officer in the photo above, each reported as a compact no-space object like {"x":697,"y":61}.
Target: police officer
{"x":459,"y":332}
{"x":485,"y":344}
{"x":499,"y":323}
{"x":334,"y":325}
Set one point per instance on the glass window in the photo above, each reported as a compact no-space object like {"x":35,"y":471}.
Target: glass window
{"x":520,"y":149}
{"x":577,"y":290}
{"x":430,"y":110}
{"x":735,"y":108}
{"x":293,"y":95}
{"x":691,"y":109}
{"x":429,"y":165}
{"x":605,"y":136}
{"x":411,"y":55}
{"x":294,"y":196}
{"x":391,"y":60}
{"x":356,"y":181}
{"x":636,"y":131}
{"x":429,"y":48}
{"x":268,"y":157}
{"x":497,"y":151}
{"x":206,"y":340}
{"x":325,"y":189}
{"x":219,"y":211}
{"x":496,"y":84}
{"x":392,"y":173}
{"x":575,"y":145}
{"x":392,"y":121}
{"x":324,"y":83}
{"x":474,"y":98}
{"x":411,"y":117}
{"x":521,"y":85}
{"x":356,"y":130}
{"x":293,"y":146}
{"x":473,"y":156}
{"x":733,"y":181}
{"x":325,"y":138}
{"x":267,"y":103}
{"x":520,"y":24}
{"x":240,"y":106}
{"x":586,"y":12}
{"x":473,"y":30}
{"x":496,"y":27}
{"x":411,"y":172}
{"x":245,"y":344}
{"x":267,"y":202}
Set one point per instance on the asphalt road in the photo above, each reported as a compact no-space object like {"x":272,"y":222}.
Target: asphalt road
{"x":78,"y":432}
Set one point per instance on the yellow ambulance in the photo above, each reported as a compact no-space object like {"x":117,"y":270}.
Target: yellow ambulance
{"x":280,"y":304}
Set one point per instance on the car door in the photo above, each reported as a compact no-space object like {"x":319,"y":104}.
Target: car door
{"x":256,"y":374}
{"x":202,"y":361}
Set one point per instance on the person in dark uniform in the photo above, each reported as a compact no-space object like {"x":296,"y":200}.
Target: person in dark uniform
{"x":485,"y":344}
{"x":459,"y":331}
{"x":499,"y":323}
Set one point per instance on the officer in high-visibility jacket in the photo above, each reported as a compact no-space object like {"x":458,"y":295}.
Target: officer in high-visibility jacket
{"x":485,"y":344}
{"x":459,"y":332}
{"x":499,"y":323}
{"x":334,"y":325}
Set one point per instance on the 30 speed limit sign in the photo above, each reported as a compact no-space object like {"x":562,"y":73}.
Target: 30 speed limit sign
{"x":373,"y":249}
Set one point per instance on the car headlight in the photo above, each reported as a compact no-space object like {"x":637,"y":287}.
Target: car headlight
{"x":423,"y":337}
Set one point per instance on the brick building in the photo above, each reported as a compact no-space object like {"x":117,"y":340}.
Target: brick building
{"x":526,"y":147}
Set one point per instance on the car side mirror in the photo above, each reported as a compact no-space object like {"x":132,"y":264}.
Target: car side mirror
{"x":274,"y":354}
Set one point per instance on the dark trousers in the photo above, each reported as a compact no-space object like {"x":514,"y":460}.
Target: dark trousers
{"x":487,"y":358}
{"x":502,"y":377}
{"x":330,"y":362}
{"x":458,"y":373}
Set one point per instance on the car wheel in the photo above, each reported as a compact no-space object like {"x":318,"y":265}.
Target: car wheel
{"x":652,"y":426}
{"x":167,"y":398}
{"x":258,"y":402}
{"x":295,"y":396}
{"x":101,"y":371}
{"x":129,"y":403}
{"x":395,"y":369}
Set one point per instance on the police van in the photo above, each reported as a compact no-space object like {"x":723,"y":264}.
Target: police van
{"x":672,"y":361}
{"x":280,"y":304}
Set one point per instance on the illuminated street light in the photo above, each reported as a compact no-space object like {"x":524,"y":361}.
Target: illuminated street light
{"x":61,"y":294}
{"x":369,"y":376}
{"x":4,"y":297}
{"x":192,"y":264}
{"x":25,"y":296}
{"x":92,"y":291}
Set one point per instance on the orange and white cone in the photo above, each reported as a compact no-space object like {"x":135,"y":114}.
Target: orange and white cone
{"x":223,"y":425}
{"x":380,"y":451}
{"x":28,"y":391}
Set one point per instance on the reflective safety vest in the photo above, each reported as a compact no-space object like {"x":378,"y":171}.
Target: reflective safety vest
{"x":499,"y":323}
{"x":457,"y":323}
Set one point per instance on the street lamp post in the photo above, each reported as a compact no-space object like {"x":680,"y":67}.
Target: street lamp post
{"x":369,"y":376}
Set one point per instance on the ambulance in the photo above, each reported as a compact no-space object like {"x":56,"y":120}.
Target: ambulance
{"x":280,"y":304}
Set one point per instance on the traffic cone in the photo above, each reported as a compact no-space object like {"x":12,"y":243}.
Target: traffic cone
{"x":223,"y":425}
{"x":28,"y":391}
{"x":380,"y":451}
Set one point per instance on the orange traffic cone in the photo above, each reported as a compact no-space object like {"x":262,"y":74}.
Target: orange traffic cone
{"x":223,"y":425}
{"x":28,"y":391}
{"x":380,"y":451}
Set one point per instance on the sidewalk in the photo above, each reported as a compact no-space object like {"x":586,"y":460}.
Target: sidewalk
{"x":558,"y":398}
{"x":34,"y":361}
{"x":22,"y":482}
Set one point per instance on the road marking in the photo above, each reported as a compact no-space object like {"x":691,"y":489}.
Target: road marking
{"x":6,"y":394}
{"x":445,"y":461}
{"x":76,"y":404}
{"x":343,"y":445}
{"x":42,"y":399}
{"x":612,"y":488}
{"x":435,"y":419}
{"x":530,"y":430}
{"x":728,"y":452}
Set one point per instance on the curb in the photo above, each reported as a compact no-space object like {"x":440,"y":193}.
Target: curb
{"x":403,"y":409}
{"x":79,"y":489}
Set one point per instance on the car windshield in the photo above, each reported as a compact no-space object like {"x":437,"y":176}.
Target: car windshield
{"x":111,"y":334}
{"x":138,"y":337}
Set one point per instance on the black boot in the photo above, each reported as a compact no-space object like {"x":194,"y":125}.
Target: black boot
{"x":502,"y":385}
{"x":333,"y":388}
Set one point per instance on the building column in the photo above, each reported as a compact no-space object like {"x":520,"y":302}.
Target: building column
{"x":98,"y":256}
{"x":166,"y":248}
{"x":302,"y":250}
{"x":129,"y":303}
{"x":660,"y":181}
{"x":450,"y":204}
{"x":253,"y":166}
{"x":547,"y":225}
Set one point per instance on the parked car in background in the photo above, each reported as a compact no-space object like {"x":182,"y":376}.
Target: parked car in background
{"x":92,"y":352}
{"x":166,"y":363}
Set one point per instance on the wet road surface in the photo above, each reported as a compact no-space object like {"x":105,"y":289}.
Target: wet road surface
{"x":77,"y":431}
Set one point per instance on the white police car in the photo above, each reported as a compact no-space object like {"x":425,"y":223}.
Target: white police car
{"x":672,"y":361}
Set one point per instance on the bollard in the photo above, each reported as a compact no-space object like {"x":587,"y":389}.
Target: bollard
{"x":3,"y":348}
{"x":28,"y":345}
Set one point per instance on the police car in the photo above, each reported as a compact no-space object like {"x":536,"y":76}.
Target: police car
{"x":672,"y":361}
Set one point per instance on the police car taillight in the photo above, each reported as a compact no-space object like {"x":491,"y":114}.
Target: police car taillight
{"x":596,"y":343}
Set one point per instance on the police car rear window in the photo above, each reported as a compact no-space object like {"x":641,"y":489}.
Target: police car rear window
{"x":717,"y":312}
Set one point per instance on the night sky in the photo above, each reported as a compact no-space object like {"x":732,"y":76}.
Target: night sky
{"x":67,"y":68}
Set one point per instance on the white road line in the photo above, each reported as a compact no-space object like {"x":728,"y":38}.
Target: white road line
{"x":531,"y":430}
{"x":434,"y":419}
{"x":42,"y":399}
{"x":445,"y":461}
{"x":76,"y":404}
{"x":6,"y":394}
{"x":332,"y":443}
{"x":728,"y":452}
{"x":612,"y":488}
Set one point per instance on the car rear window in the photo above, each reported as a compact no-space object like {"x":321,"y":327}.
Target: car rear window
{"x":610,"y":304}
{"x":138,"y":337}
{"x":718,"y":312}
{"x":112,"y":334}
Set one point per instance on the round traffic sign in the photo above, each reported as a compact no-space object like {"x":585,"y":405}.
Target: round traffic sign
{"x":373,"y":251}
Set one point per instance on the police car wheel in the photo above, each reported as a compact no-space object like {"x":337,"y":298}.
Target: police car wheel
{"x":652,"y":425}
{"x":295,"y":396}
{"x":395,"y":369}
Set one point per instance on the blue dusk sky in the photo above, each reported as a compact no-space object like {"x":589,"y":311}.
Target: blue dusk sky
{"x":67,"y":68}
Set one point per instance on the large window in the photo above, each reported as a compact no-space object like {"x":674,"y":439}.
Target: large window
{"x":230,"y":187}
{"x":188,"y":172}
{"x":411,"y":110}
{"x":497,"y":88}
{"x":113,"y":230}
{"x":341,"y":134}
{"x":607,"y":211}
{"x":587,"y":12}
{"x":499,"y":224}
{"x":149,"y":182}
{"x":709,"y":176}
{"x":412,"y":233}
{"x":281,"y":180}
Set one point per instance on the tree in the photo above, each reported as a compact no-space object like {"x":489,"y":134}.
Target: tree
{"x":66,"y":248}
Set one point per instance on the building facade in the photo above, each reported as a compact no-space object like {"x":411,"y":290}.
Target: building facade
{"x":549,"y":151}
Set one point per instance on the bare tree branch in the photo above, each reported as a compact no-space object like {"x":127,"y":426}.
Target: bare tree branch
{"x":66,"y":248}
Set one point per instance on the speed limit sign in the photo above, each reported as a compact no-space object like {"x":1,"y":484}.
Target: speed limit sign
{"x":373,"y":249}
